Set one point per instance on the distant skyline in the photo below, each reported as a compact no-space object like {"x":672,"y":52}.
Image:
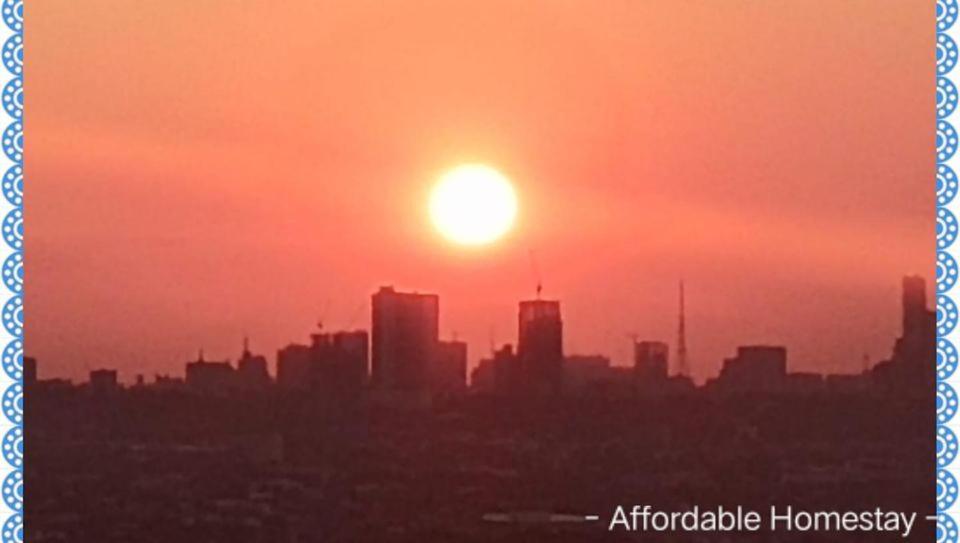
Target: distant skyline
{"x":202,"y":172}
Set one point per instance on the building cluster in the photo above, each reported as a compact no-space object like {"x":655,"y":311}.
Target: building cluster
{"x":333,"y":361}
{"x":403,"y":357}
{"x":912,"y":365}
{"x":250,"y":374}
{"x":537,"y":365}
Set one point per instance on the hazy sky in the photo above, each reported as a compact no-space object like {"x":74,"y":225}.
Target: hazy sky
{"x":197,"y":171}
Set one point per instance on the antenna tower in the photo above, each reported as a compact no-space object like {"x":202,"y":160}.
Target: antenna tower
{"x":682,"y":367}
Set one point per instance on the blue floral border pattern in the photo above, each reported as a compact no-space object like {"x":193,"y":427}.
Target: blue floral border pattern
{"x":11,"y":254}
{"x":947,"y":275}
{"x":11,"y":207}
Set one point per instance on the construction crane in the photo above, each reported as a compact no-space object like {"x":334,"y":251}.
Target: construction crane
{"x":682,"y":369}
{"x":536,"y":272}
{"x":356,"y":315}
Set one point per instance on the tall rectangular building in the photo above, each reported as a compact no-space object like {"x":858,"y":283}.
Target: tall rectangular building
{"x":540,"y":345}
{"x":103,"y":381}
{"x":916,"y":316}
{"x":913,"y":364}
{"x":293,"y":367}
{"x":756,"y":367}
{"x":405,"y":336}
{"x":650,"y":360}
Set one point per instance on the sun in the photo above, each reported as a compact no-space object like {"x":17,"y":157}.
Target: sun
{"x":473,"y":204}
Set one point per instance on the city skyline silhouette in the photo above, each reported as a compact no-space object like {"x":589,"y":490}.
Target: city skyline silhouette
{"x":185,"y":204}
{"x":363,"y":364}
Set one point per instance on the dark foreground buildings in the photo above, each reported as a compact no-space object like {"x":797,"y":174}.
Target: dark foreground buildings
{"x":651,"y":361}
{"x":333,"y":363}
{"x":755,"y":368}
{"x":449,"y":372}
{"x":252,"y":371}
{"x":210,"y":376}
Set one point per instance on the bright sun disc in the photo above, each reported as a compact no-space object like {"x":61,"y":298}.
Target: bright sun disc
{"x":473,"y":204}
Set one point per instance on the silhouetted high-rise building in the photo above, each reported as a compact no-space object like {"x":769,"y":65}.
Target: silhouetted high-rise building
{"x":210,"y":377}
{"x":252,"y":370}
{"x":103,"y":381}
{"x":339,"y":361}
{"x":293,"y":366}
{"x":540,"y":345}
{"x":29,"y":371}
{"x":650,"y":360}
{"x":913,"y":364}
{"x":914,"y":296}
{"x":405,"y":336}
{"x":919,"y":323}
{"x":756,"y":367}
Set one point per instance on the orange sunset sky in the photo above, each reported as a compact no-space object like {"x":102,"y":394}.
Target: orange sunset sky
{"x":197,"y":171}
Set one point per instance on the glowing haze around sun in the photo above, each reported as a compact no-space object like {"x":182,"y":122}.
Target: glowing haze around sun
{"x":473,"y":204}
